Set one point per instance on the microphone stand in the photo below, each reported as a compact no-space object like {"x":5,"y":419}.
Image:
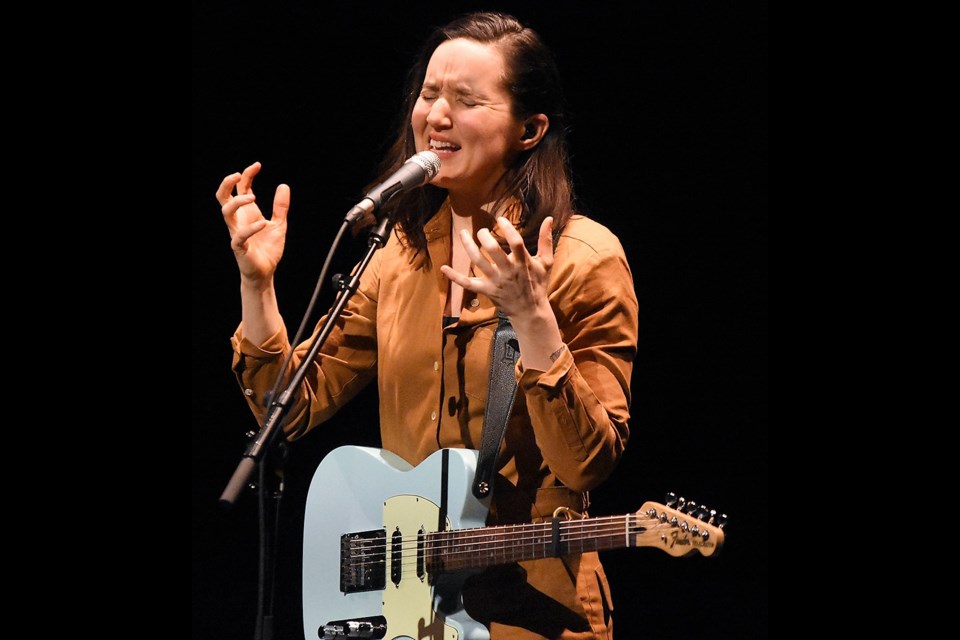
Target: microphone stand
{"x":279,"y":407}
{"x":269,"y":434}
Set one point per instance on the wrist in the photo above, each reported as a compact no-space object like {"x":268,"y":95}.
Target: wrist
{"x":255,"y":285}
{"x":541,"y":342}
{"x":539,"y":319}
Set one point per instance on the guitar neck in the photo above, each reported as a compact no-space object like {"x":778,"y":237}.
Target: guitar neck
{"x":488,"y":546}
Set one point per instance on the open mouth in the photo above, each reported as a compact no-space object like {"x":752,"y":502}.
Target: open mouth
{"x":440,"y":146}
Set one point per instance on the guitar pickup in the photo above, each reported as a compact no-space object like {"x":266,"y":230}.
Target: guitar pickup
{"x":363,"y":561}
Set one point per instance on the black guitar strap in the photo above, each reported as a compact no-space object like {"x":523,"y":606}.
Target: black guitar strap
{"x":502,"y":390}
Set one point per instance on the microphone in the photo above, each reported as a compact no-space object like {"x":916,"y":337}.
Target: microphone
{"x":415,"y":172}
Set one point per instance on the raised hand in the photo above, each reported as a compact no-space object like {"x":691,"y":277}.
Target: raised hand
{"x":257,"y":243}
{"x":518,"y":284}
{"x":515,"y":282}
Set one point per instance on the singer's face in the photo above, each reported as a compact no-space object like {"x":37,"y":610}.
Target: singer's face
{"x":464,"y":115}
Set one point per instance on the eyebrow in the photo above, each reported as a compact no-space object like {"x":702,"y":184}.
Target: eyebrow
{"x":459,"y":89}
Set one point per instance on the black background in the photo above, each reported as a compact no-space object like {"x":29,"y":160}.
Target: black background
{"x":669,"y":143}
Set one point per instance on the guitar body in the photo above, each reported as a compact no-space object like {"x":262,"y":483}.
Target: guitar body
{"x":387,"y":546}
{"x":383,"y":506}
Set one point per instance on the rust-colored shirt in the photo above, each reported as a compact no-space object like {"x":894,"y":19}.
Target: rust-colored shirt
{"x":568,"y":426}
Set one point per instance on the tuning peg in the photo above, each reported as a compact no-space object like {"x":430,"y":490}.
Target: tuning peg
{"x":684,"y":526}
{"x":713,"y":516}
{"x":652,"y":513}
{"x":681,"y":501}
{"x":702,"y":512}
{"x":695,"y":531}
{"x":705,"y":534}
{"x":690,"y":507}
{"x":663,"y":517}
{"x":671,"y":499}
{"x":674,"y":521}
{"x":722,"y":521}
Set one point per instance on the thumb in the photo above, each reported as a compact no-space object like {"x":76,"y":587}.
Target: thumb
{"x":545,"y":241}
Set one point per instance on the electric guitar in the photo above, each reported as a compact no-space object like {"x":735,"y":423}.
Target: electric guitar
{"x":387,"y":546}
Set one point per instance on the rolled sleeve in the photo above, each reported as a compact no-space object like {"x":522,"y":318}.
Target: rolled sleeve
{"x":250,"y":359}
{"x":550,"y":380}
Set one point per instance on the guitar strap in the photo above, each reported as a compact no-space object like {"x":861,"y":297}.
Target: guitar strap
{"x":502,"y":390}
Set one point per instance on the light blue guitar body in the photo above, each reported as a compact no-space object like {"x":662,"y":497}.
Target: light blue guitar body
{"x":361,"y":490}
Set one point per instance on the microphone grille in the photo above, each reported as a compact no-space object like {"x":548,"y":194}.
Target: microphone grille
{"x":429,"y":161}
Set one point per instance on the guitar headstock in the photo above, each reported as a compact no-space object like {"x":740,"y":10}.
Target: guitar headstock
{"x":680,"y":527}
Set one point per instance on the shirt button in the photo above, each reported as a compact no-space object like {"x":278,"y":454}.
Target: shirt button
{"x":475,"y":302}
{"x":436,"y":366}
{"x":433,"y":415}
{"x":248,"y":392}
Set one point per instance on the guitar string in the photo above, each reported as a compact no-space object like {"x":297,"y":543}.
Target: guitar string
{"x":542,"y":533}
{"x":526,"y":532}
{"x":474,"y":558}
{"x":499,"y":529}
{"x":413,"y":555}
{"x":591,"y":526}
{"x":443,"y":543}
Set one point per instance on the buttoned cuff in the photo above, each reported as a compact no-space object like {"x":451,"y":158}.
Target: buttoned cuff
{"x":551,"y":379}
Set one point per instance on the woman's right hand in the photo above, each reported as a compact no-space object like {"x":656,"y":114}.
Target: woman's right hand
{"x":257,"y":243}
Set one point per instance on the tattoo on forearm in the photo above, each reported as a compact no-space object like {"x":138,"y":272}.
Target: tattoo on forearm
{"x":556,"y":354}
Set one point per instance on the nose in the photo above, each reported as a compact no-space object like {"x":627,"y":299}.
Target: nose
{"x":439,"y":116}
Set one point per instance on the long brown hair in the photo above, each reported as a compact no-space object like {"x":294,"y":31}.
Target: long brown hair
{"x":540,"y":177}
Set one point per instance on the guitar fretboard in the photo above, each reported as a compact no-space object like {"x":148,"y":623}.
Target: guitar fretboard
{"x":488,"y":546}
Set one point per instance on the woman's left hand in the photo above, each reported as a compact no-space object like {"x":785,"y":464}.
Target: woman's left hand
{"x":515,"y":282}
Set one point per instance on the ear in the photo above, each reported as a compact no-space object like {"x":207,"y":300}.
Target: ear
{"x":534,"y":128}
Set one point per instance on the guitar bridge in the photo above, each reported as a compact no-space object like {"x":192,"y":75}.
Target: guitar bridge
{"x":363,"y":561}
{"x":374,"y":628}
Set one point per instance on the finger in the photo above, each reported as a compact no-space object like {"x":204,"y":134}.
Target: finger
{"x":514,"y":240}
{"x":468,"y":283}
{"x":246,"y":178}
{"x":281,"y":204}
{"x":493,"y":249}
{"x":229,"y":209}
{"x":485,"y":267}
{"x":545,"y":242}
{"x":226,"y":188}
{"x":239,"y":242}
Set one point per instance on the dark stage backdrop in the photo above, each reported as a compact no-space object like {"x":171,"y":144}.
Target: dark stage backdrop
{"x":669,"y":146}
